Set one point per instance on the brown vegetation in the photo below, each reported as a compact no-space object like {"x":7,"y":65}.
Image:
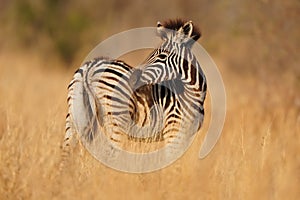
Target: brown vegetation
{"x":255,"y":45}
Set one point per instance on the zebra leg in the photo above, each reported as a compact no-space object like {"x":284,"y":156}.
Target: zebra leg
{"x":70,"y":139}
{"x":69,"y":143}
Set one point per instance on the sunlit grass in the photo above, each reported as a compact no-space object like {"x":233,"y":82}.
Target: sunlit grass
{"x":257,"y":156}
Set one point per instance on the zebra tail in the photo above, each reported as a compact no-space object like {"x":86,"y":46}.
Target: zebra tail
{"x":80,"y":115}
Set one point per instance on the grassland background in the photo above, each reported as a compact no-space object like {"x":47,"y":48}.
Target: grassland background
{"x":256,"y":46}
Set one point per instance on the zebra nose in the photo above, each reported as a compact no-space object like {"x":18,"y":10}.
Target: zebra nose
{"x":135,"y":79}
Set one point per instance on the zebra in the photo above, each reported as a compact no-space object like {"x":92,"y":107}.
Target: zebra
{"x":179,"y":84}
{"x":159,"y":102}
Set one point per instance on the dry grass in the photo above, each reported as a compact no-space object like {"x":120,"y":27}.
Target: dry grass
{"x":257,"y":156}
{"x":256,"y":46}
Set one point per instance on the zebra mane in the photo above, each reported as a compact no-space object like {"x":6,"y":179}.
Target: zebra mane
{"x":175,"y":24}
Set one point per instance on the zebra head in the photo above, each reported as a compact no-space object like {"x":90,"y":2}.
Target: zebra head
{"x":178,"y":32}
{"x":173,"y":58}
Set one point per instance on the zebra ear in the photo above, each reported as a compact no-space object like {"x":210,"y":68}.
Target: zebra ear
{"x":192,"y":34}
{"x":187,"y":29}
{"x":161,"y":31}
{"x":159,"y":24}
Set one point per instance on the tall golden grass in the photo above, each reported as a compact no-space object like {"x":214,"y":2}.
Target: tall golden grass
{"x":257,"y":156}
{"x":255,"y":45}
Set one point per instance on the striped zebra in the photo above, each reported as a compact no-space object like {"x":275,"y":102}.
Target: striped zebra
{"x":143,"y":109}
{"x":179,"y":84}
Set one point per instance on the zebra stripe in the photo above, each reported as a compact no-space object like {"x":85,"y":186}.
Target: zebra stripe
{"x":173,"y":66}
{"x":162,"y":101}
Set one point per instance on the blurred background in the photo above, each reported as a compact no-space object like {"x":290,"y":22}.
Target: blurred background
{"x":259,"y":32}
{"x":255,"y":44}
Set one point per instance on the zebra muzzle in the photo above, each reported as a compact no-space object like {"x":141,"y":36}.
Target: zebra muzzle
{"x":135,"y":80}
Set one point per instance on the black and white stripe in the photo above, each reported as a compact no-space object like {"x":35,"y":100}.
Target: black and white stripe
{"x":179,"y":85}
{"x":100,"y":98}
{"x":161,"y":101}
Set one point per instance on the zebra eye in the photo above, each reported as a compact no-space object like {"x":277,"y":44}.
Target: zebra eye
{"x":162,"y":56}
